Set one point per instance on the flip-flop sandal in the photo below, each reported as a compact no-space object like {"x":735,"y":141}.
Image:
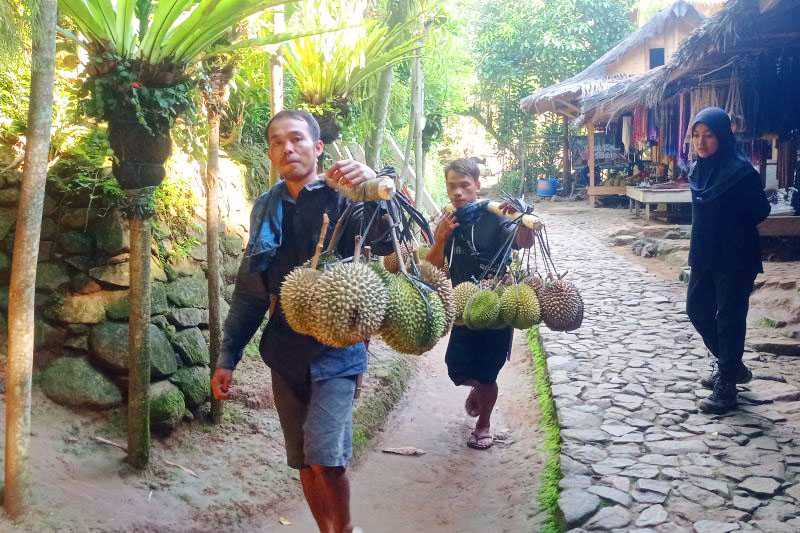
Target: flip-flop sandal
{"x":483,"y":442}
{"x":469,"y":405}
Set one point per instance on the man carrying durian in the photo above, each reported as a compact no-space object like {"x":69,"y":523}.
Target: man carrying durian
{"x":467,"y":240}
{"x":313,"y":384}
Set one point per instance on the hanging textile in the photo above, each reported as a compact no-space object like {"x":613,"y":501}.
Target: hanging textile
{"x":734,"y":106}
{"x":626,"y":133}
{"x":652,"y":129}
{"x":639,"y":137}
{"x":684,"y":112}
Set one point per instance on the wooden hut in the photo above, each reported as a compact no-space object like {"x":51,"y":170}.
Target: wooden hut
{"x":649,"y":47}
{"x":745,"y":59}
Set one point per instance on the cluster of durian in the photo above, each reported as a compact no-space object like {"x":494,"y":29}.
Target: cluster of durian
{"x":346,"y":303}
{"x":493,"y":304}
{"x":339,"y":305}
{"x":420,"y":309}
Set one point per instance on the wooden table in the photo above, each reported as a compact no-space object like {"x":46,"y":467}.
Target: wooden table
{"x":780,"y":226}
{"x":639,"y":196}
{"x":603,"y":190}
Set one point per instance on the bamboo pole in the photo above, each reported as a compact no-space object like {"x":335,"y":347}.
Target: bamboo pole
{"x":590,"y":159}
{"x":276,"y":79}
{"x":16,"y":490}
{"x":212,"y":244}
{"x":139,"y":344}
{"x":419,"y":124}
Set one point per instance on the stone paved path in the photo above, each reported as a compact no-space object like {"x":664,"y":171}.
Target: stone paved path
{"x":637,"y":455}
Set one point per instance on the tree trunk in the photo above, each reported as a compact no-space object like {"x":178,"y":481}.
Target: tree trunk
{"x":381,"y":113}
{"x":276,"y":80}
{"x":214,"y":101}
{"x":139,"y":344}
{"x":16,"y":493}
{"x":419,"y":125}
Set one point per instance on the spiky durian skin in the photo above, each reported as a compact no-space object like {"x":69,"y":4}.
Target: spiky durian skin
{"x":297,"y":293}
{"x":439,"y":282}
{"x":519,"y":307}
{"x":350,"y":305}
{"x":415,"y":318}
{"x":482,"y":310}
{"x":380,"y":270}
{"x":562,"y":305}
{"x":461,"y":295}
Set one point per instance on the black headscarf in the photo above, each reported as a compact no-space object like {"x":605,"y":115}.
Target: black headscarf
{"x":711,"y":177}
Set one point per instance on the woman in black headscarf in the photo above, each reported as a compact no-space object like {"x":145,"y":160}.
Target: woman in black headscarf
{"x":728,"y":202}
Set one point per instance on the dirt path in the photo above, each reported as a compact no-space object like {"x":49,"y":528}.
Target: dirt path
{"x":451,"y":488}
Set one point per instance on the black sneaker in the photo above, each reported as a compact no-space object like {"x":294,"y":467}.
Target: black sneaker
{"x":743,"y":376}
{"x":722,"y":399}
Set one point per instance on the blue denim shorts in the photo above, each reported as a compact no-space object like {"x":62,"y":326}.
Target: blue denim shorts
{"x":318,"y":426}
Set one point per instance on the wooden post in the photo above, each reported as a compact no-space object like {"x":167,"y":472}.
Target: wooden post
{"x":417,"y":102}
{"x":566,"y":174}
{"x":590,"y":160}
{"x":276,"y":79}
{"x":139,"y":335}
{"x":21,"y":293}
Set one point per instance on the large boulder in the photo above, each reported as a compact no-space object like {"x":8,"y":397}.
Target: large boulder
{"x":109,"y":344}
{"x":188,"y":317}
{"x":118,"y":274}
{"x":111,"y":234}
{"x":51,"y":276}
{"x":8,"y":217}
{"x":121,"y":309}
{"x":76,"y":243}
{"x":76,"y":218}
{"x":73,"y":381}
{"x":189,"y":292}
{"x":191,"y":344}
{"x":167,"y":406}
{"x":47,"y":336}
{"x":195,"y":384}
{"x":82,"y":308}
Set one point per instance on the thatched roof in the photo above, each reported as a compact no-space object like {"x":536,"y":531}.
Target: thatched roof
{"x":742,"y":26}
{"x":564,"y":97}
{"x":607,"y":105}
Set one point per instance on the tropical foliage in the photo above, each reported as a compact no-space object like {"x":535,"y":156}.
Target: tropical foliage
{"x":522,"y":46}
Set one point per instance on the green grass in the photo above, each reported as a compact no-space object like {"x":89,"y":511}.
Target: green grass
{"x":551,"y":473}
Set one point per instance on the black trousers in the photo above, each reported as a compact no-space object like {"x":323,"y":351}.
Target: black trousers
{"x":717,"y":304}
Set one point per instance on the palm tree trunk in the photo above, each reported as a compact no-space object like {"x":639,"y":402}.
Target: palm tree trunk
{"x":276,"y":80}
{"x":419,"y":124}
{"x":16,"y":493}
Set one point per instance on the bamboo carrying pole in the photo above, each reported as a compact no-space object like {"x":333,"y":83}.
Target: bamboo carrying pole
{"x":529,"y":221}
{"x":139,"y":344}
{"x":16,"y":490}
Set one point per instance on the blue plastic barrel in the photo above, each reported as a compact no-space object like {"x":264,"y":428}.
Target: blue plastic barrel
{"x":547,"y":187}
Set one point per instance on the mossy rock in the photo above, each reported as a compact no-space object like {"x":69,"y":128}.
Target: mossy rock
{"x":188,"y":317}
{"x":195,"y":384}
{"x":8,"y":217}
{"x":189,"y":292}
{"x":74,"y":382}
{"x":111,"y":234}
{"x":109,"y":344}
{"x":76,"y":243}
{"x":191,"y":344}
{"x":47,"y":336}
{"x":51,"y":276}
{"x":167,"y":406}
{"x":121,"y":309}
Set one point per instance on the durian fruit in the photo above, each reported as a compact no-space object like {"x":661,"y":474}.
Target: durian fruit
{"x":415,"y":317}
{"x":380,"y":270}
{"x":461,"y":295}
{"x":297,"y":292}
{"x":439,"y":282}
{"x":519,"y":307}
{"x":350,"y":304}
{"x":561,"y":304}
{"x":534,"y":282}
{"x":482,"y":310}
{"x":390,"y":261}
{"x":325,"y":261}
